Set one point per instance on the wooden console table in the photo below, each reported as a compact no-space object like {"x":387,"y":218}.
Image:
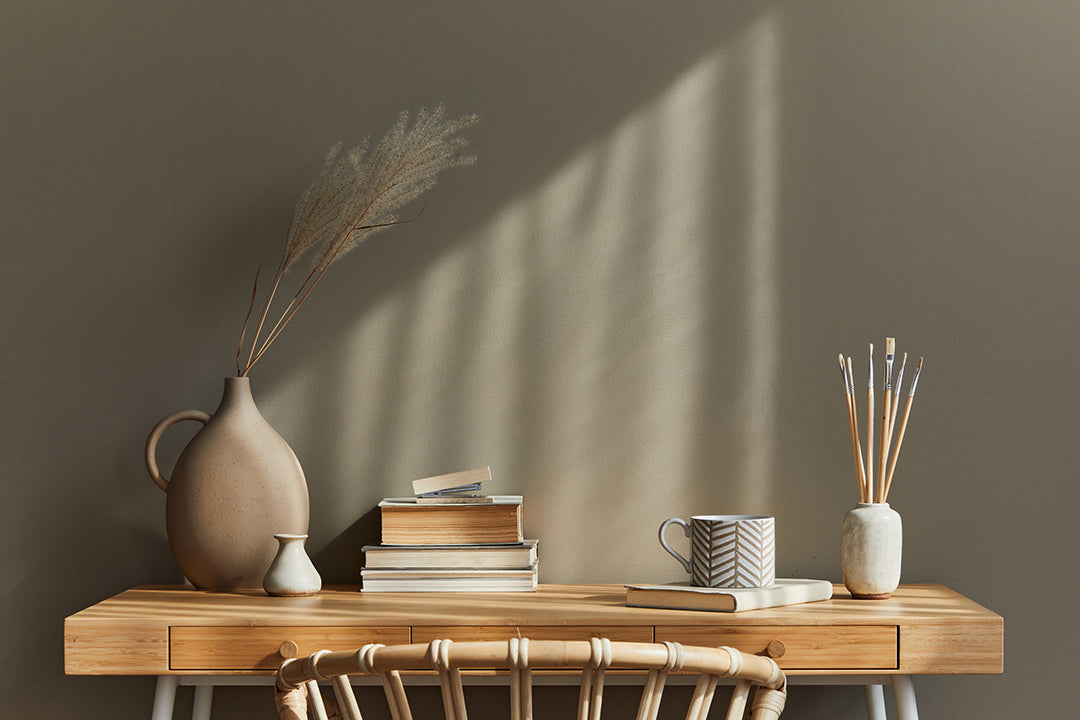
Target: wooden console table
{"x":186,"y":636}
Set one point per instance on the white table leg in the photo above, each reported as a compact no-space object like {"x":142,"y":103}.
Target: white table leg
{"x":165,"y":697}
{"x":204,"y":697}
{"x":875,"y":702}
{"x":904,"y":689}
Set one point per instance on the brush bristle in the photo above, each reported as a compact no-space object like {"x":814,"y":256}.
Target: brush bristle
{"x":890,"y":346}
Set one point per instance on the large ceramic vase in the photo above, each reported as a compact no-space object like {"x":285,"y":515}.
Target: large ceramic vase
{"x":235,"y":486}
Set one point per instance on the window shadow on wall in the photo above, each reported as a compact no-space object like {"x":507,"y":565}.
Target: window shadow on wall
{"x":607,"y":340}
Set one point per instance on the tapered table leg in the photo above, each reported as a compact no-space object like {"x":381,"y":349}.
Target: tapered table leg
{"x":204,"y":696}
{"x":904,"y":689}
{"x":875,"y":702}
{"x":165,"y":697}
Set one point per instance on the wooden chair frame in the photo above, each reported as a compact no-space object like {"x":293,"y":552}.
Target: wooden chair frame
{"x":298,"y":690}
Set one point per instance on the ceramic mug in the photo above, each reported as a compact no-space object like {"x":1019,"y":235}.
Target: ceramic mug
{"x":731,"y":551}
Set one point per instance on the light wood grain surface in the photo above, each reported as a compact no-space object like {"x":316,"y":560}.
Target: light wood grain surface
{"x":171,"y":629}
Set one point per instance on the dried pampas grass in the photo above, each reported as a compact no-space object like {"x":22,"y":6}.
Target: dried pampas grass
{"x":354,"y":195}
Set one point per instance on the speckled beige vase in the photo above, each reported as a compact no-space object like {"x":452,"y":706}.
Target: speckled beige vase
{"x":235,"y":485}
{"x":871,"y":550}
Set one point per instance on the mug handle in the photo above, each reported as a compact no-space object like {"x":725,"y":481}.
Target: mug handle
{"x":676,"y":555}
{"x":155,"y":435}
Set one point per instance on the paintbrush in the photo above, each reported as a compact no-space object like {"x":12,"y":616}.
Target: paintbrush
{"x":870,"y":430}
{"x":903,"y":428}
{"x":896,"y":394}
{"x":886,"y":407}
{"x":853,"y":425}
{"x":850,"y":418}
{"x":865,"y":494}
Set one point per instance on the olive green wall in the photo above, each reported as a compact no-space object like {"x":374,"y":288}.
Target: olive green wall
{"x":630,"y":309}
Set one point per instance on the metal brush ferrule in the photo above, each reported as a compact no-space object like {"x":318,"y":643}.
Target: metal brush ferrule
{"x":915,"y":381}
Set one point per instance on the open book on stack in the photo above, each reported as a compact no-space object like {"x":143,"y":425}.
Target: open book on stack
{"x":451,"y":537}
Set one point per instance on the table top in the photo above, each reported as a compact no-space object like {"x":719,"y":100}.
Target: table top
{"x":932,"y":628}
{"x":550,"y":604}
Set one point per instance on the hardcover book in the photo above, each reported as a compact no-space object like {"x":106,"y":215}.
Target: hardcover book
{"x":453,"y":499}
{"x":449,"y":580}
{"x":407,"y":522}
{"x":683,"y":596}
{"x":508,"y":557}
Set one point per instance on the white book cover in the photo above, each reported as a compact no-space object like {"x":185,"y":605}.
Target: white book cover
{"x":505,"y":556}
{"x":411,"y":501}
{"x":683,"y":596}
{"x":449,"y":580}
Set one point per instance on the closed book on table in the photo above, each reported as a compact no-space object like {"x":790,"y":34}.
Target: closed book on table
{"x":682,"y":596}
{"x":449,"y":580}
{"x":507,"y":557}
{"x":406,"y":522}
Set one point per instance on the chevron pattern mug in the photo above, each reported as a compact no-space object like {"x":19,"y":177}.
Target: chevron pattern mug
{"x":728,"y":551}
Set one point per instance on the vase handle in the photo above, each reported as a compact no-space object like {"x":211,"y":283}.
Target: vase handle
{"x":155,"y":435}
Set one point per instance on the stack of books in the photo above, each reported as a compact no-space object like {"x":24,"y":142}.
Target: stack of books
{"x":448,"y":537}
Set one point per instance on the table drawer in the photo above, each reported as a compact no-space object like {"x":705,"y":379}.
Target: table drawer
{"x":806,"y":647}
{"x":257,"y":648}
{"x":628,"y":633}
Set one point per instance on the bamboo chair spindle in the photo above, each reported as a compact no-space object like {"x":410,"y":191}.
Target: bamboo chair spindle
{"x":346,"y":700}
{"x":520,"y":680}
{"x":585,"y":694}
{"x":739,"y":696}
{"x":395,"y":696}
{"x":702,"y":698}
{"x":592,"y":679}
{"x":318,"y":708}
{"x":648,"y":693}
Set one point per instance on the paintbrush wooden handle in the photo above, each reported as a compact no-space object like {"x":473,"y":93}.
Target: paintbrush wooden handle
{"x":903,"y":429}
{"x":870,"y":428}
{"x":896,"y":450}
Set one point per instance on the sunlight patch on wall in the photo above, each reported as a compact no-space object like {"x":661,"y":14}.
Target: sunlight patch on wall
{"x":762,"y":308}
{"x":588,"y":341}
{"x":613,"y":317}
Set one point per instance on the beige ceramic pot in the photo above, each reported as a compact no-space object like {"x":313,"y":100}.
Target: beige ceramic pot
{"x":235,"y":486}
{"x":871,"y":549}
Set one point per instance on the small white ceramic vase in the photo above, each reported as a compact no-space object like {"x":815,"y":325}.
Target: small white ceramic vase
{"x":871,"y":550}
{"x":292,"y":573}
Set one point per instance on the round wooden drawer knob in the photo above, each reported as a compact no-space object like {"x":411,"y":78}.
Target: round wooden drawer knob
{"x":775,"y":649}
{"x":288,"y":649}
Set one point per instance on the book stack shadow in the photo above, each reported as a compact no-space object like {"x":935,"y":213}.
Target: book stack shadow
{"x":451,"y":539}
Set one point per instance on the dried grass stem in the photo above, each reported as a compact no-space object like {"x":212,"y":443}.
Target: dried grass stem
{"x":353,"y":196}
